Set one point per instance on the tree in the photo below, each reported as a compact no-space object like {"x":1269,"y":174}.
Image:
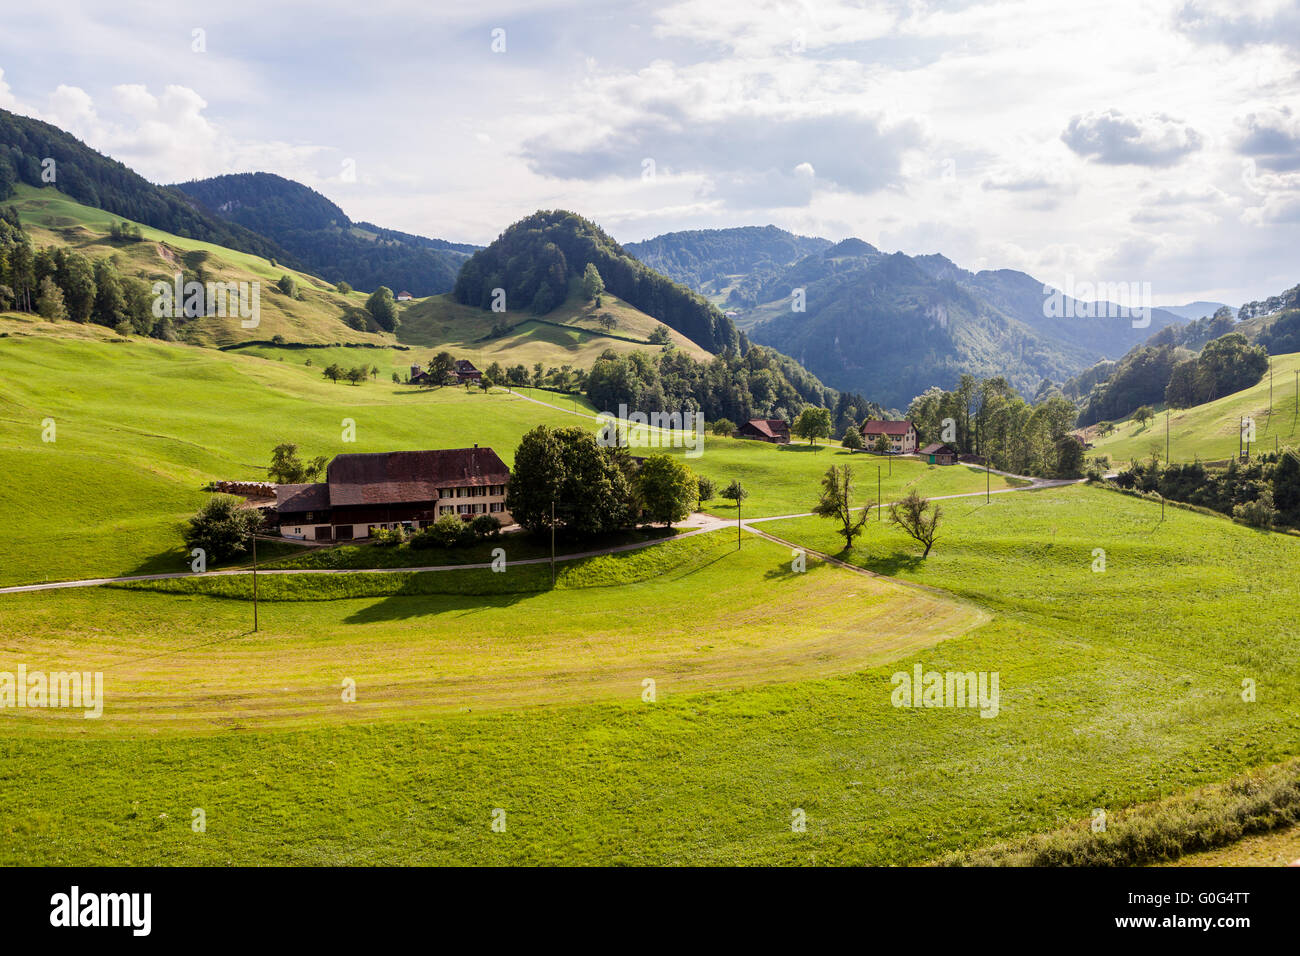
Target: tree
{"x":288,"y":469}
{"x":383,"y":309}
{"x":357,"y":374}
{"x":882,"y":444}
{"x":918,"y":517}
{"x":440,"y":367}
{"x":705,"y":491}
{"x":333,"y":372}
{"x":485,"y":526}
{"x":660,"y":336}
{"x":110,"y":303}
{"x":723,"y":428}
{"x":852,"y":438}
{"x":222,"y":527}
{"x":735,"y":492}
{"x":813,"y":423}
{"x":287,"y":286}
{"x":76,"y":276}
{"x":343,"y":288}
{"x":588,"y":485}
{"x":835,"y":502}
{"x":666,"y":489}
{"x":49,"y":300}
{"x":592,"y":284}
{"x":607,"y":321}
{"x":1143,"y":414}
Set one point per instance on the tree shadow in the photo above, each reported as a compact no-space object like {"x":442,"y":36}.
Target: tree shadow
{"x":891,"y":565}
{"x":401,"y":607}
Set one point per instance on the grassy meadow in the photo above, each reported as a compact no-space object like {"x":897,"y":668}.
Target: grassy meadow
{"x":141,"y":426}
{"x":1211,"y":432}
{"x":1117,"y":687}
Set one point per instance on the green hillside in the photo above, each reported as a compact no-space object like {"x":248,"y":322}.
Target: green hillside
{"x":1210,"y":432}
{"x":142,"y":426}
{"x":52,"y":218}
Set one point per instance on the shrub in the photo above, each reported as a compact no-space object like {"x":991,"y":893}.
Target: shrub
{"x":222,"y":527}
{"x":1259,"y":513}
{"x":449,"y":531}
{"x":388,"y":537}
{"x":485,"y":526}
{"x":706,"y":489}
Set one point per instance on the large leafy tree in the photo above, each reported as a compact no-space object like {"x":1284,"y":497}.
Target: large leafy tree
{"x":918,"y":517}
{"x":666,"y":489}
{"x":589,"y":485}
{"x":383,"y":309}
{"x":813,"y":423}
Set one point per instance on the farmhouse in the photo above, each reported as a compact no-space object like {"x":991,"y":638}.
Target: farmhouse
{"x":937,"y":453}
{"x":466,"y":372}
{"x":403,"y":296}
{"x":419,"y":376}
{"x":765,"y":429}
{"x":386,"y":489}
{"x":901,"y":435}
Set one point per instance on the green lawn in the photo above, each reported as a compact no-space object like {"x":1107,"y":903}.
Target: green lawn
{"x":1212,"y":431}
{"x":1116,"y":687}
{"x":142,"y":426}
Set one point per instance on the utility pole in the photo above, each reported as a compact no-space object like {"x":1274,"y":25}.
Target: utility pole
{"x":254,"y":582}
{"x":552,"y":542}
{"x":1166,"y":437}
{"x":988,"y":483}
{"x":739,"y":489}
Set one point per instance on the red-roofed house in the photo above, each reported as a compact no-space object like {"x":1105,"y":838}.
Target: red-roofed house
{"x":766,"y":429}
{"x":901,"y":435}
{"x":466,"y":372}
{"x":385,"y":489}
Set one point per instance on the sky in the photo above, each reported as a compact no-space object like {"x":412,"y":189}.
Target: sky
{"x":1088,"y":141}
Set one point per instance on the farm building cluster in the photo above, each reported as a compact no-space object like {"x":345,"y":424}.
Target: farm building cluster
{"x":413,"y":489}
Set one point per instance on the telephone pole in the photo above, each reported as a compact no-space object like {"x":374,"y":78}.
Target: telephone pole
{"x":254,"y":582}
{"x":552,"y":542}
{"x":739,"y":488}
{"x":1166,"y":437}
{"x":878,"y":498}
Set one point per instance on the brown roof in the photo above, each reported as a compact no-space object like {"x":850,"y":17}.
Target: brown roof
{"x":771,"y":427}
{"x":294,"y":498}
{"x":464,"y":365}
{"x":937,"y":448}
{"x":889,"y":428}
{"x":394,"y":477}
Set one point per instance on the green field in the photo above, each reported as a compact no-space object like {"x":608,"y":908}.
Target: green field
{"x":142,"y":426}
{"x":1116,"y":687}
{"x":1211,"y":432}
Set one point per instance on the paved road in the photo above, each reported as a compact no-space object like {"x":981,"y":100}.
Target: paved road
{"x":698,"y":523}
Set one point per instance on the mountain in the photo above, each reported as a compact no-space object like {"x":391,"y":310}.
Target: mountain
{"x":1195,"y":310}
{"x":891,"y":325}
{"x":535,"y":261}
{"x":38,"y":155}
{"x":322,"y":237}
{"x":710,"y":260}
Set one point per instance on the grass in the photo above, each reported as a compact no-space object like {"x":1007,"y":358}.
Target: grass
{"x":1209,"y":818}
{"x":1211,"y":432}
{"x":1117,"y":688}
{"x":51,"y":218}
{"x":142,"y":426}
{"x":570,"y":335}
{"x":179,"y":659}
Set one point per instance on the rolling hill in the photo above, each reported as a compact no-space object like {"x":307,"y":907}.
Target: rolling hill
{"x":32,"y":151}
{"x":322,"y":237}
{"x":1210,"y":432}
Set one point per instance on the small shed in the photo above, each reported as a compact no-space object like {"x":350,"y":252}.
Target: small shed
{"x":938,"y":453}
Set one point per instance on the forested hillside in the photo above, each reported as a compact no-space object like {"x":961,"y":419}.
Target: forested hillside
{"x":535,"y":259}
{"x":326,"y":241}
{"x":89,"y":177}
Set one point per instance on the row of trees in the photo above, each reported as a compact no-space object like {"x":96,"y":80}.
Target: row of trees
{"x":59,"y":283}
{"x":563,"y":478}
{"x":1262,"y":492}
{"x":989,"y":418}
{"x":760,"y":384}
